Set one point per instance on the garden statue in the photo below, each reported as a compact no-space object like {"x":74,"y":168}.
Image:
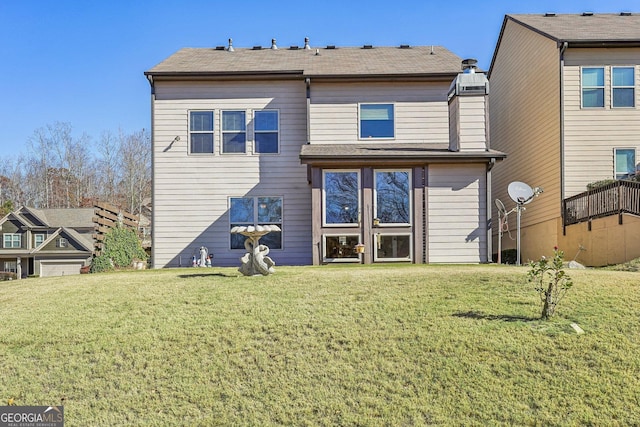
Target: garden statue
{"x":255,"y":261}
{"x":204,"y":253}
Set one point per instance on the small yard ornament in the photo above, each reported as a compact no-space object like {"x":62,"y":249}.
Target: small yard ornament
{"x":255,"y":261}
{"x":204,"y":254}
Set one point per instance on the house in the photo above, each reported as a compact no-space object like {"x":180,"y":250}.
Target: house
{"x":46,"y":242}
{"x":358,"y":154}
{"x":564,"y":106}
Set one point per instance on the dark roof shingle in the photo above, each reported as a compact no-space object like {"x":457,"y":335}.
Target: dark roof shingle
{"x":338,"y":62}
{"x":597,"y":27}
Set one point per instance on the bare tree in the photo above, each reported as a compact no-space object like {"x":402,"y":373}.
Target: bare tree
{"x":135,"y":161}
{"x":108,"y":166}
{"x":63,"y":171}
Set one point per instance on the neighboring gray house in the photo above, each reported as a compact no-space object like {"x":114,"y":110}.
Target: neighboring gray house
{"x":359,"y":154}
{"x":46,"y":242}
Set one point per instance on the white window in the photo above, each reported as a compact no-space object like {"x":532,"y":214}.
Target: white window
{"x":341,"y":191}
{"x":625,"y":162}
{"x":265,"y":131}
{"x":38,"y":239}
{"x":341,"y":248}
{"x":392,"y":247}
{"x":11,"y":266}
{"x":201,"y":132}
{"x":623,"y":91}
{"x":12,"y":240}
{"x":234,"y":132}
{"x":592,"y":87}
{"x":61,"y":243}
{"x":377,"y":121}
{"x":256,"y":211}
{"x":392,"y":197}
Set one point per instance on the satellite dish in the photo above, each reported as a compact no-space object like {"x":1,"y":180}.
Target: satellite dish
{"x":501,"y":209}
{"x":520,"y":192}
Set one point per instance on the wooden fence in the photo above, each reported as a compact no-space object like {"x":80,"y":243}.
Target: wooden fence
{"x":611,"y":199}
{"x":107,"y":217}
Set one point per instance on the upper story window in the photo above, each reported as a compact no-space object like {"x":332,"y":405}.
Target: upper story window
{"x":38,"y":239}
{"x":62,"y":243}
{"x":201,"y":132}
{"x":623,"y":87}
{"x":625,"y":162}
{"x":392,"y":197}
{"x":377,"y":121}
{"x":592,"y":87}
{"x":341,"y":197}
{"x":234,"y":132}
{"x":256,"y":211}
{"x":12,"y":240}
{"x":265,"y":131}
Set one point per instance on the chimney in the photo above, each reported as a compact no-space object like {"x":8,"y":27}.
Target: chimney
{"x":469,"y":65}
{"x":468,"y":110}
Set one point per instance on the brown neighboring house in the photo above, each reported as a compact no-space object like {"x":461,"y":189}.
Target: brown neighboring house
{"x":46,"y":242}
{"x":564,"y":106}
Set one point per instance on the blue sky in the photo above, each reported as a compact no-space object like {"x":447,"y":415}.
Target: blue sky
{"x":82,"y":62}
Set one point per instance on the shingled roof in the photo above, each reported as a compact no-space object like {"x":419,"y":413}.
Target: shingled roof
{"x":322,"y":62}
{"x":584,"y":28}
{"x":382,"y":153}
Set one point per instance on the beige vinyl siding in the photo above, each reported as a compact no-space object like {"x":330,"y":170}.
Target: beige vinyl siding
{"x":467,"y":125}
{"x":420,"y":113}
{"x":191,"y":191}
{"x":524,"y":117}
{"x":591,"y":134}
{"x":457,"y":214}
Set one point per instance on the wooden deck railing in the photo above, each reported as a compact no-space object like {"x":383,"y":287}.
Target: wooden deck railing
{"x":611,"y":199}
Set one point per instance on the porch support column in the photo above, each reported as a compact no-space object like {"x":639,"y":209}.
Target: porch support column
{"x":316,"y":214}
{"x":19,"y":268}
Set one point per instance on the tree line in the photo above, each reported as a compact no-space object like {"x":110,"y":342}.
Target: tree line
{"x":59,"y":170}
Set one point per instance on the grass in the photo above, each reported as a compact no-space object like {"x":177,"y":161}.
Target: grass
{"x":331,"y":345}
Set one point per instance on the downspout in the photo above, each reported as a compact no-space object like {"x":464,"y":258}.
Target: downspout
{"x":489,"y":217}
{"x":563,"y":48}
{"x":307,"y":81}
{"x":153,"y":166}
{"x":490,"y":165}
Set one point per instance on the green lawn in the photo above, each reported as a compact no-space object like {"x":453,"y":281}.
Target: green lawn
{"x":331,"y":345}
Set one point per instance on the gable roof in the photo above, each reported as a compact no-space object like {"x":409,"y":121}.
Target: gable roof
{"x":325,"y":62}
{"x":53,"y":218}
{"x":579,"y":30}
{"x":584,"y":28}
{"x":69,"y":218}
{"x":84,"y":241}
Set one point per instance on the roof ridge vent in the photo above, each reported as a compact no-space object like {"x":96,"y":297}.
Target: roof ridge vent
{"x":587,"y":13}
{"x":221,"y":48}
{"x":257,"y":48}
{"x":230,"y":48}
{"x":405,"y":46}
{"x":331,"y":46}
{"x":293,"y":47}
{"x":367,"y":46}
{"x":306,"y":44}
{"x":549,"y":15}
{"x":273,"y":44}
{"x":625,"y":13}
